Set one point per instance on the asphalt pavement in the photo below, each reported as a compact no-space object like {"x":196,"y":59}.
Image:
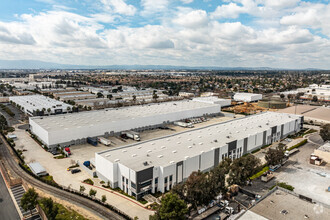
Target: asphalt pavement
{"x":7,"y":208}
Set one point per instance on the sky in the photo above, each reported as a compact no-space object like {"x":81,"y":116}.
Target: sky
{"x":228,"y":33}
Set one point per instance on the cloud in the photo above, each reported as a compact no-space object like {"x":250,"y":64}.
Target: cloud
{"x":192,"y":19}
{"x":276,"y":33}
{"x":119,"y":6}
{"x":153,"y":7}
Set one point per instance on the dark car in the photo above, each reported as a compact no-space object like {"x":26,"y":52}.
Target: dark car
{"x":75,"y":171}
{"x":54,"y":152}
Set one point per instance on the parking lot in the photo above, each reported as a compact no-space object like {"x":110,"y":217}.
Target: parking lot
{"x":309,"y":180}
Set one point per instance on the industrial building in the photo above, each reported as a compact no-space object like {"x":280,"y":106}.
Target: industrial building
{"x":214,"y":100}
{"x":38,"y":105}
{"x":158,"y":164}
{"x":75,"y":128}
{"x":247,"y":97}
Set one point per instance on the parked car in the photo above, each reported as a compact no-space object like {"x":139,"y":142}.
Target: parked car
{"x":75,"y":171}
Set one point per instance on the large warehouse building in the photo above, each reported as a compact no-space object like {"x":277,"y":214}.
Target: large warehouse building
{"x":40,"y":105}
{"x":158,"y":164}
{"x":214,"y":100}
{"x":75,"y":128}
{"x":247,"y":97}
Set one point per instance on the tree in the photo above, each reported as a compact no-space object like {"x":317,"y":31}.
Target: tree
{"x":134,"y":98}
{"x":197,"y":189}
{"x":29,"y":200}
{"x":282,"y":96}
{"x":48,"y":110}
{"x":171,"y":207}
{"x":82,"y":189}
{"x":325,"y":132}
{"x":50,"y":209}
{"x":314,"y":99}
{"x":92,"y":192}
{"x":275,"y":156}
{"x":100,"y":95}
{"x":68,"y":108}
{"x":242,"y":168}
{"x":104,"y":198}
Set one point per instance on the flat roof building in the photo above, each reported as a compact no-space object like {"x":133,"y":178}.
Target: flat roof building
{"x":37,"y":105}
{"x":75,"y":128}
{"x":247,"y":97}
{"x":213,"y":100}
{"x":37,"y":169}
{"x":158,"y":164}
{"x":283,"y":204}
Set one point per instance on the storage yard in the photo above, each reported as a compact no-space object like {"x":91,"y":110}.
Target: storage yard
{"x":158,"y":164}
{"x":74,"y":128}
{"x":317,"y":113}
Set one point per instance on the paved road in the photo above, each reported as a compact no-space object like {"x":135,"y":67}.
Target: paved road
{"x":7,"y":208}
{"x":87,"y":204}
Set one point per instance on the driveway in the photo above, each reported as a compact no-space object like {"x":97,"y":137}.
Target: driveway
{"x":7,"y":208}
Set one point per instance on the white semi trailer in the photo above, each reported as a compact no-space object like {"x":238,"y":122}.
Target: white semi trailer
{"x":183,"y":124}
{"x":132,"y":134}
{"x":104,"y":141}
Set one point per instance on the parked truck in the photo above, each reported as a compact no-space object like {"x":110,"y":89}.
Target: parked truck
{"x":67,"y":151}
{"x":92,"y":141}
{"x":104,"y":141}
{"x":184,"y":124}
{"x":132,"y":134}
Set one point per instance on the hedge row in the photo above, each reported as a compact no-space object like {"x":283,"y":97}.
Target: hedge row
{"x":298,"y":145}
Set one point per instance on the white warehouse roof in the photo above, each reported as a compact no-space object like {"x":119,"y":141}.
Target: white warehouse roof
{"x":63,"y":128}
{"x":213,"y":100}
{"x":34,"y":102}
{"x":174,"y":148}
{"x":247,"y":97}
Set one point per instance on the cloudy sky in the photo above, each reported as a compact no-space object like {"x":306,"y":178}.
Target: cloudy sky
{"x":228,"y":33}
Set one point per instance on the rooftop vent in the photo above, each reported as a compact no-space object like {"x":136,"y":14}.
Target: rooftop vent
{"x":133,"y":155}
{"x":163,"y":147}
{"x":160,"y":156}
{"x":149,"y":151}
{"x":145,"y":163}
{"x":189,"y":146}
{"x":174,"y":151}
{"x":108,"y":155}
{"x":117,"y":160}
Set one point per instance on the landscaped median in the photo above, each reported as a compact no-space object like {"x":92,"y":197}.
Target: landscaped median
{"x":298,"y":145}
{"x":266,"y":168}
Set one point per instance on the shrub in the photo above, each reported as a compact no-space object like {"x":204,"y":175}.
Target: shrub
{"x":259,"y":173}
{"x":298,"y":145}
{"x":89,"y":181}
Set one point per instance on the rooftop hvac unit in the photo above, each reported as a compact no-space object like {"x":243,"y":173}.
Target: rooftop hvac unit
{"x":108,"y":155}
{"x":133,"y":155}
{"x":189,"y":147}
{"x":160,"y":156}
{"x":174,"y":151}
{"x":172,"y":162}
{"x":149,"y":151}
{"x":124,"y":151}
{"x":117,"y":160}
{"x":163,"y":147}
{"x":186,"y":157}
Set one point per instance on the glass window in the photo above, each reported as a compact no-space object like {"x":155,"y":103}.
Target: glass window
{"x":145,"y":184}
{"x":171,"y":177}
{"x":156,"y":180}
{"x":123,"y":179}
{"x":133,"y":185}
{"x":165,"y":181}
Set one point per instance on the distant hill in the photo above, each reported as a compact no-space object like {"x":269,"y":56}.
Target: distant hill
{"x":35,"y":64}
